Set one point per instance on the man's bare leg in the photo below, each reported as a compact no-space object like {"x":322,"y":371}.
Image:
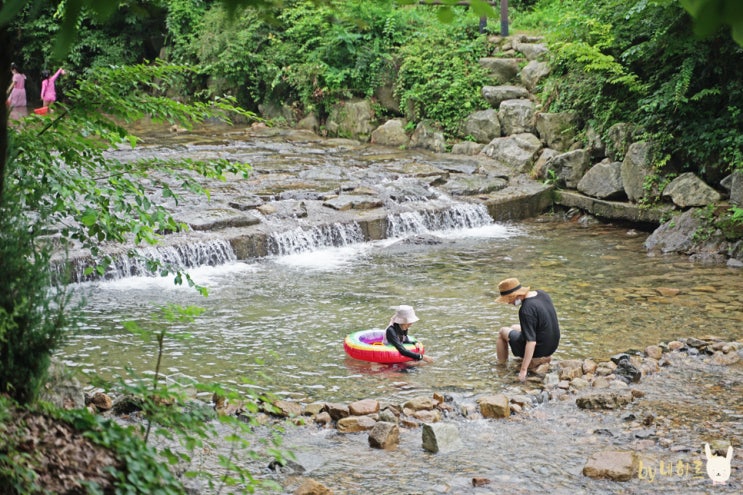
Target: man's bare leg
{"x":501,"y":346}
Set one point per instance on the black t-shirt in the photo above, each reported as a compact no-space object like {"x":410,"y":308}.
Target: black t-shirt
{"x":538,"y":320}
{"x":396,"y":336}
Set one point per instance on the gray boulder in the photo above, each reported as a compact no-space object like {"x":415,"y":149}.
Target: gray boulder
{"x":497,"y":94}
{"x":483,"y":126}
{"x":533,"y":73}
{"x":501,"y":70}
{"x":516,"y":152}
{"x":428,"y":136}
{"x":570,"y":167}
{"x":557,"y":130}
{"x":636,"y":166}
{"x":391,"y":133}
{"x":603,"y":181}
{"x":689,"y":190}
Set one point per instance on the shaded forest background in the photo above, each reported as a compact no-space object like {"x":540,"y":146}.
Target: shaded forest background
{"x":613,"y":61}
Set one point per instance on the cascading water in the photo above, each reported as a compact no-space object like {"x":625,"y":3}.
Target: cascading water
{"x":458,"y":216}
{"x":301,"y":240}
{"x":182,"y":256}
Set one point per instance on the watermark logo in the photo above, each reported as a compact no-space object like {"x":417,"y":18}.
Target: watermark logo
{"x":718,"y":467}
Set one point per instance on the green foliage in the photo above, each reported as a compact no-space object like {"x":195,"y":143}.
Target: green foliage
{"x":184,"y":425}
{"x":33,"y":314}
{"x":439,"y":76}
{"x":638,"y":62}
{"x":711,"y":14}
{"x":730,"y":223}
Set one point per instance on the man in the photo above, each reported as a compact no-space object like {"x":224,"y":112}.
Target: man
{"x":536,"y":337}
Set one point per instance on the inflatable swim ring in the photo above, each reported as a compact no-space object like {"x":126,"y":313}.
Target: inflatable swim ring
{"x":368,"y":345}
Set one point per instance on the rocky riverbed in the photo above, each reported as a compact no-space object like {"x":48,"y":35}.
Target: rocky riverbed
{"x":637,"y":423}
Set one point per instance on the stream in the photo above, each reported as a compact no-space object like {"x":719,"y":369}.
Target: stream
{"x":277,"y":324}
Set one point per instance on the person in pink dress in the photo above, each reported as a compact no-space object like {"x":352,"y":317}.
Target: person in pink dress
{"x":48,"y":90}
{"x":17,"y":89}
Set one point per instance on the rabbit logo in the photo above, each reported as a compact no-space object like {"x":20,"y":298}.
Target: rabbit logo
{"x":718,"y":467}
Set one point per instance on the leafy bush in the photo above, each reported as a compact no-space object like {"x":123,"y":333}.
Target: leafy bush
{"x":33,"y":314}
{"x":639,"y":62}
{"x":439,"y":76}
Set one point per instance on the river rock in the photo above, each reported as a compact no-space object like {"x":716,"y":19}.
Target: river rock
{"x":636,"y":166}
{"x":654,"y":351}
{"x":517,"y":152}
{"x":428,"y":136}
{"x":420,"y":403}
{"x":605,"y":399}
{"x":571,"y":368}
{"x":312,"y":487}
{"x":102,"y":401}
{"x":355,"y":424}
{"x":287,"y":409}
{"x":440,"y":437}
{"x":337,"y":411}
{"x":612,"y":465}
{"x":363,"y":407}
{"x":603,"y":181}
{"x":384,"y":435}
{"x":494,"y":406}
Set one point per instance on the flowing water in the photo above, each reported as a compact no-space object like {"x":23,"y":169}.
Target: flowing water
{"x":278,"y":323}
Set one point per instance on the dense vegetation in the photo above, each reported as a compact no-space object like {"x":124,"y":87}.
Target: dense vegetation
{"x":613,"y":61}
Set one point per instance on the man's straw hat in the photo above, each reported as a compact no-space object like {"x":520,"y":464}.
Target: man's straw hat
{"x":510,"y":289}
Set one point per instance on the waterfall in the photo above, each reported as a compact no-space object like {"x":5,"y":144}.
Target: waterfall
{"x":301,"y":240}
{"x":458,"y":216}
{"x":282,"y":243}
{"x":181,"y":256}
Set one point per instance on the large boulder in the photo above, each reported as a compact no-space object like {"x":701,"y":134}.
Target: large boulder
{"x":494,"y":95}
{"x":482,"y":126}
{"x":516,"y":116}
{"x":440,"y":437}
{"x":391,"y":133}
{"x":636,"y":167}
{"x":501,"y":70}
{"x":603,"y":181}
{"x":570,"y":167}
{"x":689,"y":190}
{"x":736,"y":188}
{"x":533,"y":73}
{"x":428,"y":136}
{"x":612,"y":465}
{"x":516,"y":152}
{"x":351,"y":119}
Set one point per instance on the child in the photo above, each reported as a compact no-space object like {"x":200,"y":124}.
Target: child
{"x":17,"y":89}
{"x":48,"y":91}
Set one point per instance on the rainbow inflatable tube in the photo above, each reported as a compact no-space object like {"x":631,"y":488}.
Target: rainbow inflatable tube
{"x":368,"y":345}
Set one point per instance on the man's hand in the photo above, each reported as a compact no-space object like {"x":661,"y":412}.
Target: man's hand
{"x":522,"y":375}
